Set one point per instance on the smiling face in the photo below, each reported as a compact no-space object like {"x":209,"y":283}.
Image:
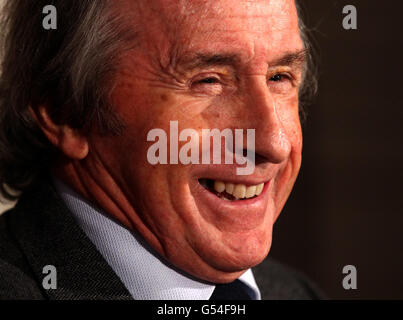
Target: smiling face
{"x":206,"y":64}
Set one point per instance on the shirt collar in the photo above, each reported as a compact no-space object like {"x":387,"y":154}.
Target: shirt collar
{"x":145,"y":275}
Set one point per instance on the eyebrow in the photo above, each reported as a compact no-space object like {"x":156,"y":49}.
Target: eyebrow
{"x":203,"y":60}
{"x":291,"y":58}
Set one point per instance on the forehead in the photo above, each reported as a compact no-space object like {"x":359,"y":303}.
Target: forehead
{"x":252,"y":27}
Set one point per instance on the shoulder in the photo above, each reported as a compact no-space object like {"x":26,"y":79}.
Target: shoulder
{"x":279,"y":282}
{"x":16,"y":279}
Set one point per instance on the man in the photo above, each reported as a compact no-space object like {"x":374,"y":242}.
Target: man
{"x":78,"y":106}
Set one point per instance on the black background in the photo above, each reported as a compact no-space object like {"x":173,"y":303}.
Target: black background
{"x":346,"y":207}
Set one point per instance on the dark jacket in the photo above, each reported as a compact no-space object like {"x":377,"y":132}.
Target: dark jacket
{"x":41,"y":231}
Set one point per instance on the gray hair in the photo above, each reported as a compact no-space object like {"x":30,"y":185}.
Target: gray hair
{"x":309,"y":86}
{"x":65,"y":69}
{"x":68,"y":70}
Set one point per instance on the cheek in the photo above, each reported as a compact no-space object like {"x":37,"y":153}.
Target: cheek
{"x":288,"y":112}
{"x":288,"y":174}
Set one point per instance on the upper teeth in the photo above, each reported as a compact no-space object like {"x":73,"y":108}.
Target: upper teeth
{"x":239,"y":191}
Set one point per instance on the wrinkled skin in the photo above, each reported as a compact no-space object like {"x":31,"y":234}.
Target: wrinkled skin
{"x":157,"y":82}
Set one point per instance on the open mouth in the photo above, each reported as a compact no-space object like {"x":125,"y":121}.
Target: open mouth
{"x":232,"y":192}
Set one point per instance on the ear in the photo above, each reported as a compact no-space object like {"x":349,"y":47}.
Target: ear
{"x":73,"y":144}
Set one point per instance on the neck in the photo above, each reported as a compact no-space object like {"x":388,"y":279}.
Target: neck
{"x":91,"y":180}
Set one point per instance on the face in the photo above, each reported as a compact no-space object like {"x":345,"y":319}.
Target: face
{"x":206,"y":64}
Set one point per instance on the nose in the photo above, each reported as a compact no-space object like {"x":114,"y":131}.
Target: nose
{"x":271,"y":139}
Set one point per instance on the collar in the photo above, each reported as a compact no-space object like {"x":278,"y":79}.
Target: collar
{"x":145,"y":275}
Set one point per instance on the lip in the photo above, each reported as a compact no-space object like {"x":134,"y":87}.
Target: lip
{"x":232,"y":216}
{"x":228,"y":174}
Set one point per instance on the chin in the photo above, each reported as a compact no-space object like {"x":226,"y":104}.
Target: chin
{"x":228,"y":260}
{"x":228,"y":270}
{"x":244,"y":252}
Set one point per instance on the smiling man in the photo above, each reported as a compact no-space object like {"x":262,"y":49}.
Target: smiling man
{"x":77,"y":106}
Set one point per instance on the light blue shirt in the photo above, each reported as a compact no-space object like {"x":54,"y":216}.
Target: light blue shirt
{"x":145,"y":275}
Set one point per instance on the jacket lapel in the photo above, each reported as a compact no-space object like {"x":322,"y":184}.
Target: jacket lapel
{"x":48,"y":235}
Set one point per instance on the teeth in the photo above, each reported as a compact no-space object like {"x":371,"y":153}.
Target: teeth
{"x":250,"y":192}
{"x":259,"y":188}
{"x":219,"y":186}
{"x":239,"y":191}
{"x":229,"y":188}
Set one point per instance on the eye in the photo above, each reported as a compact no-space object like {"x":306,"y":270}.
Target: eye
{"x":281,"y":83}
{"x":209,"y":80}
{"x":279,"y":77}
{"x":209,"y":85}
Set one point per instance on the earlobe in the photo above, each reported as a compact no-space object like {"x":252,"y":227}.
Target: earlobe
{"x":70,"y":141}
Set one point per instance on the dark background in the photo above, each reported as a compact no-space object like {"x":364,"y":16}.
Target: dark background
{"x":346,"y":207}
